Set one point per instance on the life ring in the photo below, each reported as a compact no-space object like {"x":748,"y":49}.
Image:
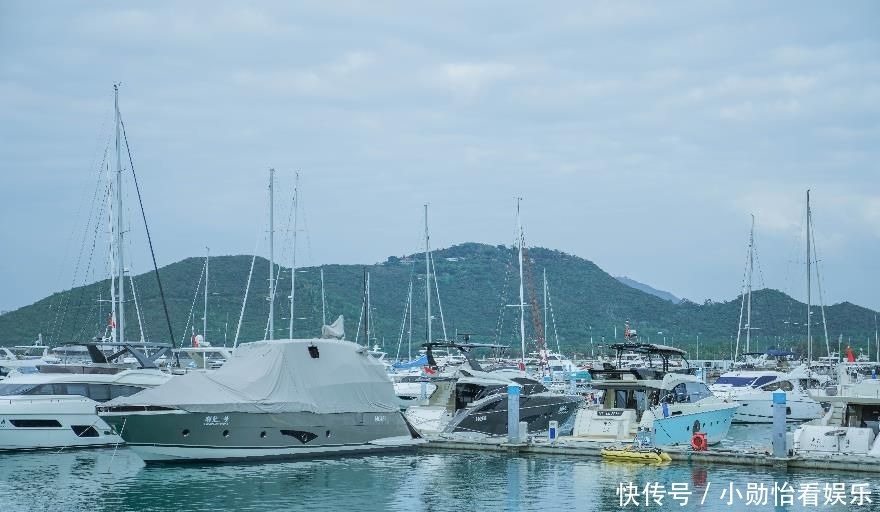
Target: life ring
{"x":698,"y":441}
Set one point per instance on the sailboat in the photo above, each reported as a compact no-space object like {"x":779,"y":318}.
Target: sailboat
{"x":55,"y":407}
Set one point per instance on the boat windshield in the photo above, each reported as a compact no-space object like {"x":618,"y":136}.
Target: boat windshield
{"x":743,"y":382}
{"x":689,"y":392}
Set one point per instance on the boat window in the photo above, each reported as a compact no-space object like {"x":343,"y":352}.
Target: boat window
{"x":99,"y":392}
{"x":763,"y":380}
{"x":737,"y":382}
{"x":696,"y":391}
{"x":782,"y":385}
{"x":119,"y":390}
{"x":35,"y":423}
{"x":75,"y":388}
{"x":620,"y":399}
{"x":15,"y":389}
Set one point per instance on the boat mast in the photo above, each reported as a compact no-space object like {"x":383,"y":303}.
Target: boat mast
{"x":271,"y":254}
{"x":751,"y":270}
{"x":522,"y":303}
{"x":545,"y":301}
{"x":409,"y":309}
{"x":368,"y":315}
{"x":205,"y":317}
{"x":877,"y":337}
{"x":323,"y":302}
{"x":428,"y":274}
{"x":809,"y":337}
{"x":293,"y":264}
{"x":120,"y":263}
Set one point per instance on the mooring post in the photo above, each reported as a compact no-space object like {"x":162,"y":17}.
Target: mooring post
{"x":423,"y":391}
{"x":572,"y":383}
{"x":780,"y":450}
{"x":513,"y":392}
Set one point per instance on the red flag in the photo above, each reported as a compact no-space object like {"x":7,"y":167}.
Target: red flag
{"x":849,"y":355}
{"x":111,"y":320}
{"x":429,"y":370}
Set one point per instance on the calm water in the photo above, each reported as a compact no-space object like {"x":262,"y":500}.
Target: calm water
{"x":94,"y":480}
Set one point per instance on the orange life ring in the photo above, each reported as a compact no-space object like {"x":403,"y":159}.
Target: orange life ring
{"x":698,"y":441}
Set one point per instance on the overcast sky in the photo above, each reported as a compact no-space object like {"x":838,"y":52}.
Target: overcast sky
{"x":640,"y":135}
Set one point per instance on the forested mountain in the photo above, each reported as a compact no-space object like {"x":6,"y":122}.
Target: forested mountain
{"x":477,"y":285}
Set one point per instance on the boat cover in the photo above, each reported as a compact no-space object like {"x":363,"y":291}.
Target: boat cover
{"x":280,"y":376}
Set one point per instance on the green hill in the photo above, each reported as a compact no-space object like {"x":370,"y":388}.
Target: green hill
{"x":477,"y":283}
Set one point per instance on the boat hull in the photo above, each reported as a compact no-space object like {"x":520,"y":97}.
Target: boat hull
{"x":179,"y":436}
{"x":489,"y":415}
{"x":30,"y":423}
{"x":758,"y":408}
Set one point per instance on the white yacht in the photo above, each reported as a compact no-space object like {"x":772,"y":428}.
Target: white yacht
{"x":851,"y":425}
{"x":201,"y":356}
{"x":55,"y":407}
{"x":753,"y":390}
{"x":672,"y":404}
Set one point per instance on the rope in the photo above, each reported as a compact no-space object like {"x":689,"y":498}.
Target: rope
{"x":247,"y":289}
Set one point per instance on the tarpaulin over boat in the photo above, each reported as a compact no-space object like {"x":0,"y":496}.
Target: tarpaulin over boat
{"x":319,"y":376}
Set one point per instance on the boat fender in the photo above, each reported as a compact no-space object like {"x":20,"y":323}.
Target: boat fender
{"x":698,"y":442}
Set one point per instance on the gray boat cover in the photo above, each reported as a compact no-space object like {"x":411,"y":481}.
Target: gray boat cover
{"x":280,"y":376}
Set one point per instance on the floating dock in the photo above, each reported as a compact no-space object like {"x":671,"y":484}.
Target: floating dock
{"x":572,"y":446}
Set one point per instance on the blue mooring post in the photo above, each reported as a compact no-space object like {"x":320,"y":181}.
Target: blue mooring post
{"x":513,"y":392}
{"x":780,"y":450}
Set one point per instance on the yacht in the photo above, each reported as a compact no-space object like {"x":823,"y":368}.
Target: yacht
{"x":672,"y":404}
{"x":851,"y":425}
{"x":201,"y":356}
{"x":54,"y":406}
{"x":753,"y":390}
{"x":473,"y":401}
{"x":271,"y":399}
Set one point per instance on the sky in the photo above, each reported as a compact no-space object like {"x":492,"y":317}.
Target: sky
{"x":639,"y":135}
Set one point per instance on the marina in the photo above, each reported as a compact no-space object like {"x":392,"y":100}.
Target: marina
{"x":450,"y":257}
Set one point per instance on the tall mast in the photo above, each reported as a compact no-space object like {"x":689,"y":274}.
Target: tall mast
{"x":120,"y":260}
{"x":271,"y":254}
{"x":522,"y":303}
{"x":409,"y":309}
{"x":751,"y":270}
{"x":205,"y":317}
{"x":428,"y":274}
{"x":323,"y":302}
{"x":368,"y":315}
{"x":545,"y":301}
{"x":877,"y":337}
{"x":293,"y":265}
{"x":809,"y":321}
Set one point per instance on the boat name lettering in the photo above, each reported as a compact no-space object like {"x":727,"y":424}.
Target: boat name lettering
{"x":216,"y":421}
{"x":480,"y":418}
{"x":609,"y":413}
{"x":380,"y":418}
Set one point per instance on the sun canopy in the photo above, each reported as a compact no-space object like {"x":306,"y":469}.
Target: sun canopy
{"x":317,"y":375}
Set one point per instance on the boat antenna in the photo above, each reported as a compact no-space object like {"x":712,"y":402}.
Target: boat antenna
{"x":147,"y":230}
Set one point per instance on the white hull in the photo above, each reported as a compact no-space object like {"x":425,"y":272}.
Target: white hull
{"x":758,"y":408}
{"x":52,"y":422}
{"x":156,"y":453}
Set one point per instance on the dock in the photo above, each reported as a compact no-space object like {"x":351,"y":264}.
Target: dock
{"x":570,"y":446}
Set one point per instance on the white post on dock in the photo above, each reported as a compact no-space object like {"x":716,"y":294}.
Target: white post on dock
{"x":780,"y":450}
{"x":572,"y":382}
{"x":513,"y":393}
